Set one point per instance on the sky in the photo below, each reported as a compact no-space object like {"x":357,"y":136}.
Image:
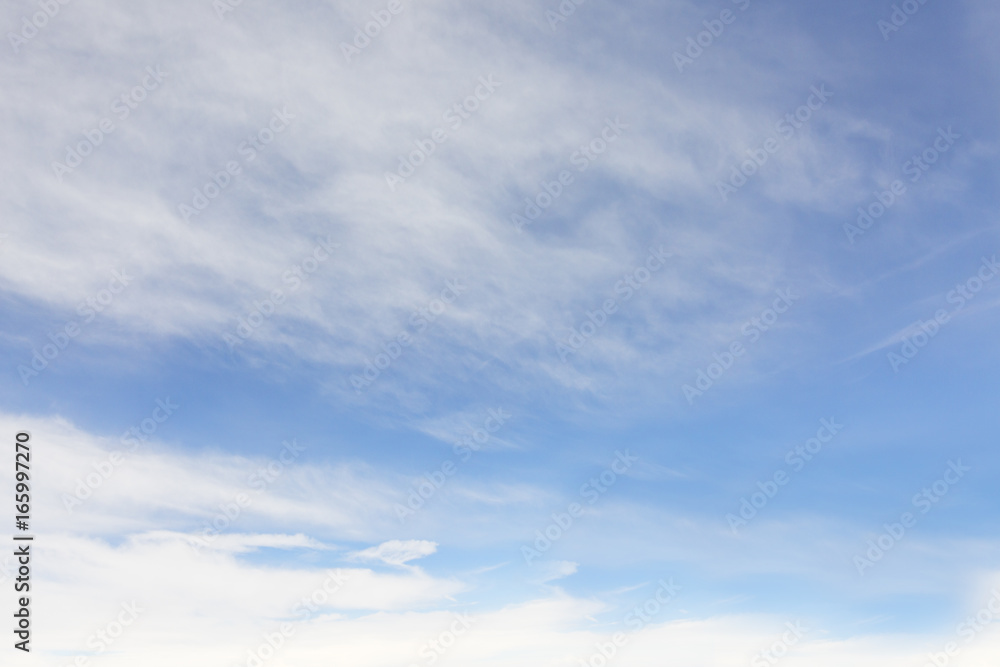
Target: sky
{"x":424,"y":332}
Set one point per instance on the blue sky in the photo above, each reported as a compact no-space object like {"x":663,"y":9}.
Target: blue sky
{"x":265,"y":265}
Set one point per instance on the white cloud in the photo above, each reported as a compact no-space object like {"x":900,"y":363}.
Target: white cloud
{"x":397,"y":552}
{"x":546,"y":571}
{"x":232,"y":543}
{"x":324,"y":176}
{"x":131,"y":538}
{"x":215,"y":604}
